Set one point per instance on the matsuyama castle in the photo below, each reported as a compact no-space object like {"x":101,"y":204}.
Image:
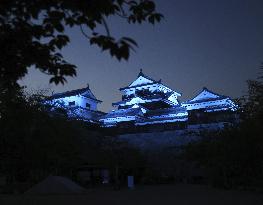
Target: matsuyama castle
{"x":80,"y":104}
{"x":149,"y":103}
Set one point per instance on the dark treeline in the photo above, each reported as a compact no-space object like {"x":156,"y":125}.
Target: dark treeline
{"x":36,"y":143}
{"x":233,"y":158}
{"x":33,"y":142}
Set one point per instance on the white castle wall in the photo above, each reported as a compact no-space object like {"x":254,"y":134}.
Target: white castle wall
{"x":79,"y":101}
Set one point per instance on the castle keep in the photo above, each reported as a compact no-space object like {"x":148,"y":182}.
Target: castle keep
{"x":149,"y":103}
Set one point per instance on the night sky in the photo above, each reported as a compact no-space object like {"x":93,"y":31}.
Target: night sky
{"x":212,"y":43}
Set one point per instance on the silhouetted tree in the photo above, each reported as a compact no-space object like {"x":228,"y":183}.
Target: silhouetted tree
{"x":36,"y":140}
{"x":32,"y":32}
{"x":234,"y":156}
{"x":30,"y":140}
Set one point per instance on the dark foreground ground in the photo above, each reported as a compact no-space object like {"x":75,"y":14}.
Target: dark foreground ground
{"x":153,"y":195}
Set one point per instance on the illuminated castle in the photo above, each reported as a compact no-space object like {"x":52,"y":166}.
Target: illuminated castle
{"x":147,"y":103}
{"x":80,"y":104}
{"x":209,"y":107}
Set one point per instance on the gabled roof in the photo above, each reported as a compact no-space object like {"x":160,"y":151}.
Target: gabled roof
{"x":206,"y":95}
{"x":85,"y":92}
{"x":141,"y":80}
{"x":147,"y":99}
{"x":124,"y":112}
{"x":164,"y":111}
{"x":139,"y":106}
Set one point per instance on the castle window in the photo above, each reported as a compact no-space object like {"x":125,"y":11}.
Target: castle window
{"x":88,"y":106}
{"x":72,"y":103}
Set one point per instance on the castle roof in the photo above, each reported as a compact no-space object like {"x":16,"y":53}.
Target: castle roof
{"x":206,"y":95}
{"x":144,"y":80}
{"x":141,"y":80}
{"x":210,"y":101}
{"x":147,"y":99}
{"x":147,"y":77}
{"x":85,"y":92}
{"x":124,"y":112}
{"x":172,"y":110}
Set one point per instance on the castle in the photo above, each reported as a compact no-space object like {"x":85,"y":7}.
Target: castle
{"x":147,"y":103}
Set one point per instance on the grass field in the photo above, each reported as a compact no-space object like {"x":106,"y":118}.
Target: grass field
{"x":153,"y":195}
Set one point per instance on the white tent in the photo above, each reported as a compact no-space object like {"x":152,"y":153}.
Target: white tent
{"x":56,"y":185}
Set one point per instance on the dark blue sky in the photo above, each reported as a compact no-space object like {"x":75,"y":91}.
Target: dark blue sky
{"x":212,"y":43}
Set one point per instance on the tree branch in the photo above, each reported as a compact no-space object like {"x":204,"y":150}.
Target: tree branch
{"x":106,"y":26}
{"x":83,"y":32}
